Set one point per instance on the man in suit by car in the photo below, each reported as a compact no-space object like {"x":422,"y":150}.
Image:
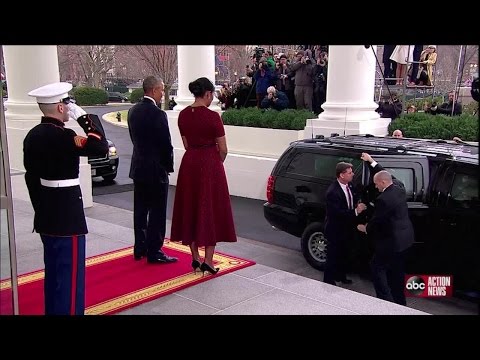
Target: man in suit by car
{"x":341,"y":214}
{"x":392,"y":232}
{"x":152,"y":162}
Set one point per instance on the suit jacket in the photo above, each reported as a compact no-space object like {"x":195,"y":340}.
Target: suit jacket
{"x":340,"y":220}
{"x":390,"y":226}
{"x":152,"y":158}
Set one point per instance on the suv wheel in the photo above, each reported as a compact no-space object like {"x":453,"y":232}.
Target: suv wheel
{"x":314,"y":245}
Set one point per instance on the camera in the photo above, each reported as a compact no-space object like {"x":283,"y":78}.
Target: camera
{"x":308,"y":60}
{"x":258,"y":53}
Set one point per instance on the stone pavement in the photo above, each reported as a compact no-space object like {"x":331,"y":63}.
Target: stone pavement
{"x":258,"y":289}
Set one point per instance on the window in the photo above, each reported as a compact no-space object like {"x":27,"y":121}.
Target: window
{"x":320,"y":165}
{"x":406,"y":176}
{"x":464,"y":188}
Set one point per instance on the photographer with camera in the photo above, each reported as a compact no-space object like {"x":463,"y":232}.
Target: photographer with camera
{"x":304,"y":73}
{"x":264,"y":78}
{"x":284,"y":81}
{"x":390,"y":107}
{"x":320,"y":82}
{"x":275,"y":99}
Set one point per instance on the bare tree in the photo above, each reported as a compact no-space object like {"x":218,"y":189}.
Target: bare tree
{"x":88,"y":63}
{"x":159,"y":60}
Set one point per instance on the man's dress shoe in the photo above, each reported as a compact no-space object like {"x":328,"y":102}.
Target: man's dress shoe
{"x":161,"y":258}
{"x":139,"y":255}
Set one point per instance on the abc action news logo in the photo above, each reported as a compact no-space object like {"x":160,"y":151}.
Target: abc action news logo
{"x":428,"y":285}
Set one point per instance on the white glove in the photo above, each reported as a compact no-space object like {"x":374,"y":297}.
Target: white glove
{"x":75,"y":111}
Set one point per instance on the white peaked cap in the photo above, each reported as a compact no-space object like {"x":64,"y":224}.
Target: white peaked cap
{"x":51,"y":93}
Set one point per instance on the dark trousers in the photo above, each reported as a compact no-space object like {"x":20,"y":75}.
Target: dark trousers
{"x":64,"y":285}
{"x":149,"y":216}
{"x":390,"y":71}
{"x":336,"y":265}
{"x":417,"y":51}
{"x":388,"y":277}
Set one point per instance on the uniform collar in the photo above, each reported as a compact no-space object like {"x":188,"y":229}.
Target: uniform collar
{"x":53,"y":121}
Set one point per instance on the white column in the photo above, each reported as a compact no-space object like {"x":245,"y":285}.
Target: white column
{"x":26,"y":68}
{"x":194,"y":61}
{"x":350,"y":107}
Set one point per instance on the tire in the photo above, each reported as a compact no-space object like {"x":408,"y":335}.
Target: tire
{"x":109,"y":178}
{"x":314,"y":245}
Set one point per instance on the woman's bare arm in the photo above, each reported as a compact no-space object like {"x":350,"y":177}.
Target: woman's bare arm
{"x":222,"y":147}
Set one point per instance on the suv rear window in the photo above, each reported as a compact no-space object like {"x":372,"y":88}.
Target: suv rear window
{"x":319,"y":165}
{"x":406,"y":177}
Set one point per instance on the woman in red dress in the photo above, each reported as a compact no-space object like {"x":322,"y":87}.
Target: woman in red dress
{"x":202,"y":213}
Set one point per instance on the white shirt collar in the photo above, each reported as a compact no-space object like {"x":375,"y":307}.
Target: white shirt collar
{"x":148,"y":97}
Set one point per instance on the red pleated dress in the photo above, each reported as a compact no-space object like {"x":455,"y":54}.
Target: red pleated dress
{"x":202,"y":212}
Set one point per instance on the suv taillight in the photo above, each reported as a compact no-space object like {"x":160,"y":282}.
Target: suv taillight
{"x":270,"y":188}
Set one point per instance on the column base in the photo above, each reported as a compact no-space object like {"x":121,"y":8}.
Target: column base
{"x":377,"y":127}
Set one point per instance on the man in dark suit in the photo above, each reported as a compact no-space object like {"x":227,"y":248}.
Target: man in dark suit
{"x":152,"y":162}
{"x":392,"y":232}
{"x":341,"y":214}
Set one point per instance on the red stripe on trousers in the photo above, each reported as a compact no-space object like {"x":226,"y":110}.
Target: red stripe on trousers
{"x":74,"y":274}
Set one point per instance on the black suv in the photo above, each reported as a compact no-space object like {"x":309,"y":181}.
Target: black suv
{"x":441,"y":181}
{"x":105,"y":166}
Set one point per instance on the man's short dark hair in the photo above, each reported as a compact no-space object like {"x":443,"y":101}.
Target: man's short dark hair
{"x":342,"y":167}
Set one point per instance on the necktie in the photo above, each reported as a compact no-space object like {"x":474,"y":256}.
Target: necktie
{"x":350,"y":199}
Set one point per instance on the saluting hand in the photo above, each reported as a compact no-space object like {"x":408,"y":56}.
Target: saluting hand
{"x":75,"y":111}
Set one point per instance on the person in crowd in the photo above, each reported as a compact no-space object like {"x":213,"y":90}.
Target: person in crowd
{"x":428,"y":58}
{"x":275,"y":99}
{"x":303,"y":71}
{"x":172,"y":103}
{"x":320,"y":82}
{"x":411,"y":109}
{"x":284,"y":81}
{"x":202,"y":213}
{"x":447,"y":107}
{"x":397,"y":133}
{"x":264,"y":77}
{"x":390,"y":107}
{"x":152,"y":162}
{"x":400,"y":55}
{"x":389,"y":66}
{"x":413,"y":71}
{"x":342,"y":210}
{"x":51,"y":159}
{"x":392,"y":231}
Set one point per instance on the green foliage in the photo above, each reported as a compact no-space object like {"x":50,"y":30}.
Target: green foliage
{"x":90,"y":96}
{"x":252,"y":117}
{"x":427,"y":126}
{"x":470,"y":109}
{"x":136,"y":96}
{"x":420,"y":102}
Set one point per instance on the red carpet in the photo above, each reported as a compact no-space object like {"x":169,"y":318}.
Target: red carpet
{"x":115,"y":281}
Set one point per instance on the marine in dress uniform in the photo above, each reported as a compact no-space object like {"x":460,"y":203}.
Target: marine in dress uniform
{"x":51,"y":159}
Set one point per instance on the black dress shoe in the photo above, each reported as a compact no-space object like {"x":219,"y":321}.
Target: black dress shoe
{"x":161,"y":259}
{"x":139,"y":255}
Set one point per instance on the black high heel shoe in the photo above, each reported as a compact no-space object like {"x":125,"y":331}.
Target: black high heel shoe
{"x":196,"y":265}
{"x":205,"y":267}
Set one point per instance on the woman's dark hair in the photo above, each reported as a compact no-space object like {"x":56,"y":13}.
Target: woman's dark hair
{"x":200,"y":86}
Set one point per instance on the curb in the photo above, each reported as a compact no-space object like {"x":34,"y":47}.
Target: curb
{"x":106,"y":117}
